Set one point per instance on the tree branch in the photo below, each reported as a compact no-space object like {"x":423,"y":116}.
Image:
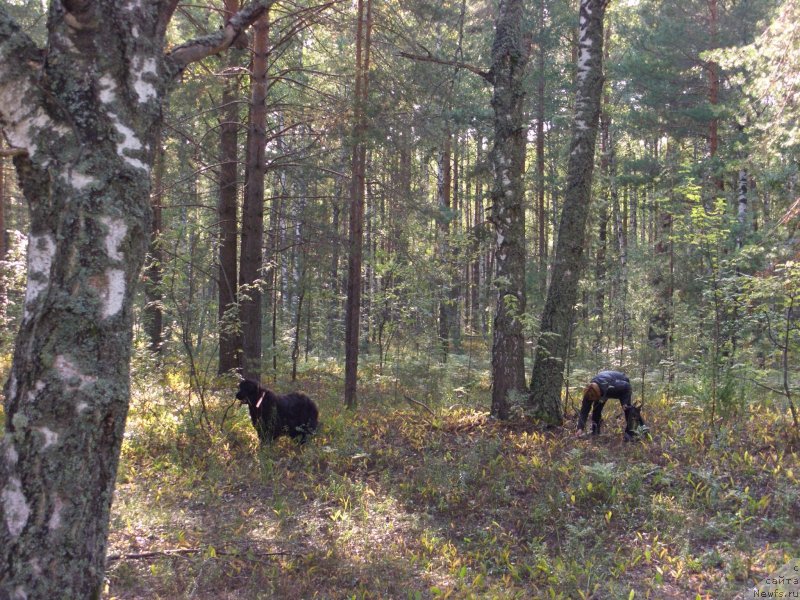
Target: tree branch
{"x":180,"y":551}
{"x":418,"y":403}
{"x":167,"y":10}
{"x":487,"y":75}
{"x":12,"y":152}
{"x":218,"y":41}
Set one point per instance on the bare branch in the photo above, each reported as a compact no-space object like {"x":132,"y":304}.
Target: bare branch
{"x":218,"y":41}
{"x":487,"y":75}
{"x":11,"y":152}
{"x":418,"y":403}
{"x":763,"y":385}
{"x":181,"y":551}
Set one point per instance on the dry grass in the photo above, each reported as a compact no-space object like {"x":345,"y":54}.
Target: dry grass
{"x":393,"y":502}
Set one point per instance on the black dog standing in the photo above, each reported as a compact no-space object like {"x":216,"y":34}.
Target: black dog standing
{"x":605,"y":385}
{"x":275,"y":415}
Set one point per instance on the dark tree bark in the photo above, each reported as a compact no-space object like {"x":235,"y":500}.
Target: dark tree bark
{"x":227,"y":316}
{"x":153,"y":311}
{"x":84,"y":122}
{"x":443,"y":199}
{"x":540,"y":115}
{"x":250,"y":282}
{"x":712,"y":70}
{"x":568,"y":262}
{"x":601,"y":268}
{"x":357,"y":194}
{"x":660,"y":274}
{"x":477,"y":225}
{"x":509,"y":61}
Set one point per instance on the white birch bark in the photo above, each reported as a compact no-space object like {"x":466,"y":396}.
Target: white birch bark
{"x":83,"y":118}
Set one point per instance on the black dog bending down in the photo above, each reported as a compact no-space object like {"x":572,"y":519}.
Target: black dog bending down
{"x":605,"y":385}
{"x":272,"y":415}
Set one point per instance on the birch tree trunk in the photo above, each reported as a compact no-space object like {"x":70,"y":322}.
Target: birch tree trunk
{"x":84,"y":119}
{"x":507,"y":157}
{"x":3,"y":246}
{"x":568,"y":262}
{"x":741,"y":212}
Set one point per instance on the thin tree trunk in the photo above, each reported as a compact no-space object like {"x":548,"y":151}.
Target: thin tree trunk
{"x":153,"y":312}
{"x":457,"y":286}
{"x":741,"y":216}
{"x":568,"y":263}
{"x":621,"y":279}
{"x":3,"y":237}
{"x":540,"y":178}
{"x":443,"y":200}
{"x":296,"y":342}
{"x":477,"y":263}
{"x":334,"y":306}
{"x":660,"y":277}
{"x":712,"y":69}
{"x":601,"y":268}
{"x":357,"y":193}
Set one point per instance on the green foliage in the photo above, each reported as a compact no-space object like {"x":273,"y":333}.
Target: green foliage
{"x":394,"y":501}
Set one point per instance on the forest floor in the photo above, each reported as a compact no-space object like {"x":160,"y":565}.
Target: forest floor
{"x":397,"y":501}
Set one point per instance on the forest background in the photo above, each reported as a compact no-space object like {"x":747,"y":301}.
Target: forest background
{"x":689,"y":283}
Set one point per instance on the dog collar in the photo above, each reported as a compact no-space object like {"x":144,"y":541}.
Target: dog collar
{"x":260,"y":399}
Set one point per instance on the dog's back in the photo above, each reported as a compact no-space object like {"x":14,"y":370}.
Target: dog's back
{"x":298,"y":414}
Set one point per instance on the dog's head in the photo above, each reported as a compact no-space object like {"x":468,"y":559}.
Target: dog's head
{"x":249,"y":391}
{"x":635,"y":422}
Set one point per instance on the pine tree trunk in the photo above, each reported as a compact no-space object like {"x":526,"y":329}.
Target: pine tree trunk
{"x":568,"y":263}
{"x":443,"y":199}
{"x":357,"y":194}
{"x":253,"y":208}
{"x":509,"y":62}
{"x":227,"y":315}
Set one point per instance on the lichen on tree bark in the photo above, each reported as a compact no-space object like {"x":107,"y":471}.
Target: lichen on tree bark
{"x":544,"y":400}
{"x":83,"y":119}
{"x":509,"y":62}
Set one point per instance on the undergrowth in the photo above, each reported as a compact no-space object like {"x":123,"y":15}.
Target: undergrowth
{"x":396,"y":501}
